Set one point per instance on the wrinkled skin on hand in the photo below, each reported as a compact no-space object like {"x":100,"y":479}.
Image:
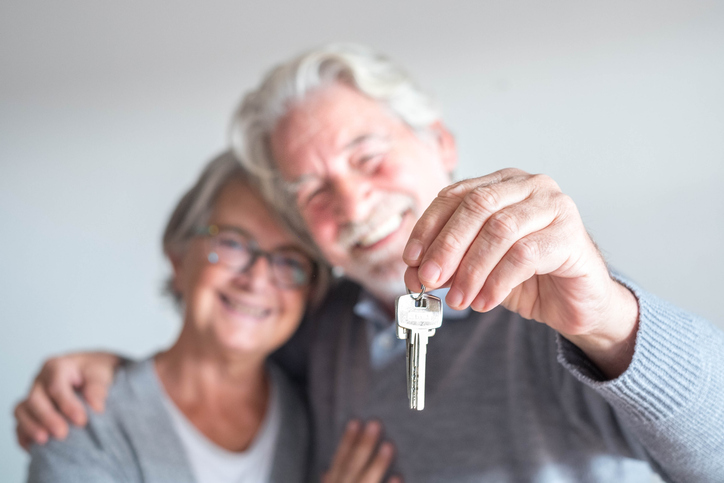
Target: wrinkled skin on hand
{"x":515,"y":239}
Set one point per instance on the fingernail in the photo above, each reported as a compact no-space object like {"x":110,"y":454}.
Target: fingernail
{"x":413,"y":251}
{"x":352,"y":425}
{"x":373,"y":427}
{"x":79,"y":419}
{"x":97,"y":405}
{"x":478,"y":304}
{"x":41,"y":438}
{"x":386,"y":449}
{"x":454,"y":298}
{"x":429,"y":272}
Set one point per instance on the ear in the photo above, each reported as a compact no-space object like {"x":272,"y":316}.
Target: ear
{"x":446,"y":144}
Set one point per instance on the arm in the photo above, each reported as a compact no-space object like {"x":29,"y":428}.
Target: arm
{"x":671,"y":395}
{"x":52,"y":397}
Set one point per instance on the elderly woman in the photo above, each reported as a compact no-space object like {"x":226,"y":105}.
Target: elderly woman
{"x":212,"y":407}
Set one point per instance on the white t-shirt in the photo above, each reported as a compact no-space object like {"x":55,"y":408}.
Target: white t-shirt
{"x":211,"y":463}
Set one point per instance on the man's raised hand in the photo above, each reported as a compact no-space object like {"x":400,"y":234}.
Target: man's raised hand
{"x":515,"y":239}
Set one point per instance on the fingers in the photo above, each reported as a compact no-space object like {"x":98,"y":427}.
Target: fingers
{"x":344,"y":450}
{"x":501,"y":231}
{"x":517,"y":266}
{"x":40,"y":408}
{"x":53,"y":396}
{"x":57,"y":379}
{"x":539,"y":253}
{"x":443,"y":247}
{"x":359,"y":458}
{"x":98,"y":378}
{"x":379,"y":465}
{"x":28,"y":430}
{"x":23,"y":440}
{"x":63,"y":396}
{"x":463,"y":247}
{"x":439,"y":212}
{"x":364,"y":449}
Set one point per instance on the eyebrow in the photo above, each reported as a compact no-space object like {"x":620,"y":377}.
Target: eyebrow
{"x":255,"y":243}
{"x":361,"y":140}
{"x":293,"y":186}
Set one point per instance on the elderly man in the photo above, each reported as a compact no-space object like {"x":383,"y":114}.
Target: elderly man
{"x":609,"y":381}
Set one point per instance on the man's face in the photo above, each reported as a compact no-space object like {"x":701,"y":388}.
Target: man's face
{"x":361,"y":178}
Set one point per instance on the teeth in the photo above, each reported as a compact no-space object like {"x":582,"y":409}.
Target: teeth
{"x":246,"y":309}
{"x":382,"y":230}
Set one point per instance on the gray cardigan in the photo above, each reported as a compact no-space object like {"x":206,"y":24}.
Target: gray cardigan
{"x":509,"y":400}
{"x":134,"y":440}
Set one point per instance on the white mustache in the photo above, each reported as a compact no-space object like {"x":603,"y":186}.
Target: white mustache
{"x":390,"y":205}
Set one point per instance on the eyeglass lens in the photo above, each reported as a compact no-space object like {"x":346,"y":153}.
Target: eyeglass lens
{"x":289,"y":267}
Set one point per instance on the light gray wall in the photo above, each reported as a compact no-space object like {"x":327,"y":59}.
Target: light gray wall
{"x":107,"y":111}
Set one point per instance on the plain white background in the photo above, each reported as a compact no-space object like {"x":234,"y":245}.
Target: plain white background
{"x":108,"y":110}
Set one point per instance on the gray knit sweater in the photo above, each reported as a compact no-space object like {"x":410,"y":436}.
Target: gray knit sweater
{"x":134,"y":440}
{"x":508,"y":400}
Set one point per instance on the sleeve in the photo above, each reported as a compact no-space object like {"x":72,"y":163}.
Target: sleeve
{"x":87,"y":454}
{"x":672,"y":394}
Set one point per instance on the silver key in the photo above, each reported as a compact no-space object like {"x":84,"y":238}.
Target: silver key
{"x":417,"y":316}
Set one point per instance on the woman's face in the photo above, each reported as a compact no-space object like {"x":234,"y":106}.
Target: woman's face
{"x":243,"y":312}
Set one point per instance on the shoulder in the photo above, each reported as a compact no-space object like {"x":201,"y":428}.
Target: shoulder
{"x":100,"y":451}
{"x":132,"y":440}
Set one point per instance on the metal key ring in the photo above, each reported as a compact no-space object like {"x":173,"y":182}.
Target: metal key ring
{"x":419,"y":297}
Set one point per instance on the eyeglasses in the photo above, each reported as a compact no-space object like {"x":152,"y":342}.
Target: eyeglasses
{"x":235,"y":249}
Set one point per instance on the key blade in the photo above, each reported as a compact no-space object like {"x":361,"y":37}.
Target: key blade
{"x":408,"y":363}
{"x":418,"y":370}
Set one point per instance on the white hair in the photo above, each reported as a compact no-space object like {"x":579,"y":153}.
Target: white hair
{"x":371,"y":73}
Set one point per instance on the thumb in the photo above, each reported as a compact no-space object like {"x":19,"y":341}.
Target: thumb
{"x":95,"y":388}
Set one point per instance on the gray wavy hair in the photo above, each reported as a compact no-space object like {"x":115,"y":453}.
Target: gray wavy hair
{"x":369,"y":72}
{"x":194,"y":209}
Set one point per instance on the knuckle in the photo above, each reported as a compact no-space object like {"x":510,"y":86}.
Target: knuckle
{"x":18,"y":409}
{"x":454,"y":191}
{"x":545,"y":181}
{"x":511,"y":172}
{"x":502,"y":226}
{"x":55,"y":389}
{"x":51,"y":368}
{"x":482,"y":199}
{"x":450,"y":243}
{"x":52,"y":363}
{"x":541,"y":179}
{"x":525,"y":252}
{"x":469,"y":276}
{"x":36,"y":393}
{"x":565,"y":203}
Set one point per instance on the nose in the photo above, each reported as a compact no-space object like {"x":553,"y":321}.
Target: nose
{"x":352,"y":198}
